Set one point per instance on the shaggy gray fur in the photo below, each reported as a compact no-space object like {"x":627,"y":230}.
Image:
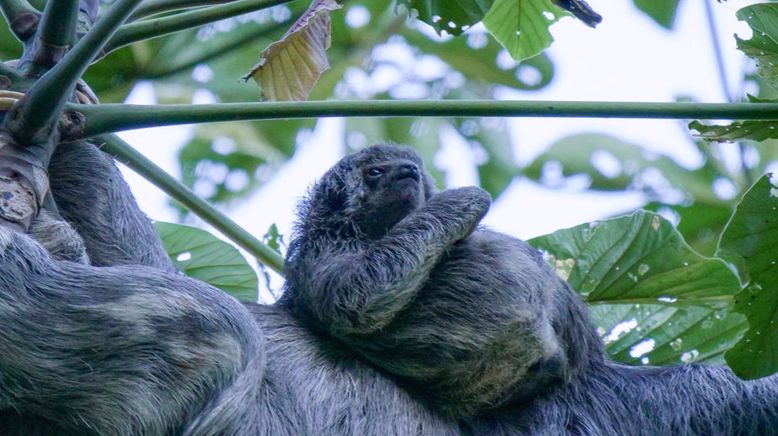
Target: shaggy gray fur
{"x":402,"y":275}
{"x":128,"y":346}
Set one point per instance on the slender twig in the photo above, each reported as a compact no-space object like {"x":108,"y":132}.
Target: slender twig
{"x":724,"y":82}
{"x":167,"y":183}
{"x":21,"y":17}
{"x":214,"y":51}
{"x":141,"y":30}
{"x":99,"y":119}
{"x":55,"y":35}
{"x":153,"y":7}
{"x":43,"y":103}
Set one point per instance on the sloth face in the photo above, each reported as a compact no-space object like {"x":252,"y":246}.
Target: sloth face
{"x":391,"y":189}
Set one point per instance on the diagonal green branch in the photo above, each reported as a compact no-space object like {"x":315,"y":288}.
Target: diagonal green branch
{"x":153,"y":7}
{"x":146,"y":29}
{"x":35,"y":116}
{"x":100,"y":119}
{"x":167,"y":183}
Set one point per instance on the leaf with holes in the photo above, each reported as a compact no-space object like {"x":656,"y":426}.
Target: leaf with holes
{"x":521,"y":26}
{"x":656,"y":300}
{"x":750,"y":240}
{"x":450,"y":16}
{"x":202,"y":256}
{"x":289,"y":69}
{"x":754,"y":130}
{"x":665,"y":334}
{"x":763,"y":45}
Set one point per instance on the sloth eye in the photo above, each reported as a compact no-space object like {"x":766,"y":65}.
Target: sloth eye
{"x":375,"y":172}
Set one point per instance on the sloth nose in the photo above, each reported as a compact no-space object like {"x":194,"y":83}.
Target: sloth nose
{"x":407,"y":170}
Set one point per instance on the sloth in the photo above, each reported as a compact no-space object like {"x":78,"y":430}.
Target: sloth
{"x":401,"y":316}
{"x":404,"y":276}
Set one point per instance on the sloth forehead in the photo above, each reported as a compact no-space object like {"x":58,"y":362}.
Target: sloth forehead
{"x":381,"y":153}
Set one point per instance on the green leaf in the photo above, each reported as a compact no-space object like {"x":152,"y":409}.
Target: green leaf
{"x":450,"y":16}
{"x":663,"y":12}
{"x":754,"y":130}
{"x":521,"y":26}
{"x":683,"y":334}
{"x":752,"y":236}
{"x":700,"y":223}
{"x":763,"y":45}
{"x":638,"y":257}
{"x":289,"y":69}
{"x":202,"y":256}
{"x":649,"y":289}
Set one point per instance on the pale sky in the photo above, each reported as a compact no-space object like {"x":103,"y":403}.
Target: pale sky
{"x":626,"y":58}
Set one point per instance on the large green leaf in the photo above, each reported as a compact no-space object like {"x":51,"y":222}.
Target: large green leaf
{"x":521,"y":26}
{"x":752,"y":237}
{"x":639,"y":257}
{"x":670,"y":334}
{"x":648,"y":284}
{"x":450,"y":16}
{"x":205,"y":257}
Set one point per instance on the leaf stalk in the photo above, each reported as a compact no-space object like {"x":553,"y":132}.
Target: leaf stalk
{"x":100,"y":119}
{"x":123,"y":152}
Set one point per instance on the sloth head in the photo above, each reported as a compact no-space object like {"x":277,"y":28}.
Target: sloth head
{"x":365,"y":194}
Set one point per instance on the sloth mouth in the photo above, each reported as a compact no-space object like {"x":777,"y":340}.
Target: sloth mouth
{"x":405,"y":190}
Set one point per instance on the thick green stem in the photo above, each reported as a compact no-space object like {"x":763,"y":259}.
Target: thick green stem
{"x":99,"y":119}
{"x":55,"y":35}
{"x":139,"y":31}
{"x":140,"y":164}
{"x":43,"y":104}
{"x":21,"y":17}
{"x":58,"y":25}
{"x":153,"y":7}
